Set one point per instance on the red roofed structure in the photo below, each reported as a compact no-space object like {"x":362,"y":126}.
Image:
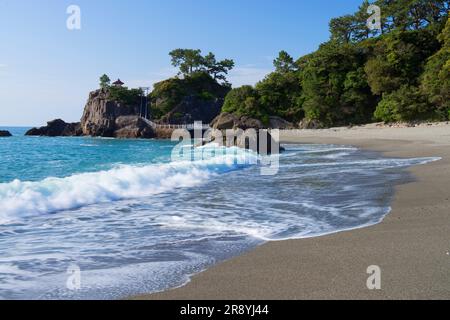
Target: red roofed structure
{"x":118,"y":83}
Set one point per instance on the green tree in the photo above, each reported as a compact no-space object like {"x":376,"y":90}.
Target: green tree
{"x":398,"y":58}
{"x":104,"y":81}
{"x":217,"y":69}
{"x":352,"y":28}
{"x":342,"y":28}
{"x":187,"y":60}
{"x":335,"y":88}
{"x":280,"y":95}
{"x":412,"y":14}
{"x":168,"y":94}
{"x":405,"y":104}
{"x":243,"y":101}
{"x":284,"y":63}
{"x":436,"y":78}
{"x":400,"y":74}
{"x":125,"y":96}
{"x":360,"y":30}
{"x":191,"y":61}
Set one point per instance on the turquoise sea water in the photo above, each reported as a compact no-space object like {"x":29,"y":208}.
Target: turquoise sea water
{"x":135,"y":222}
{"x":35,"y":158}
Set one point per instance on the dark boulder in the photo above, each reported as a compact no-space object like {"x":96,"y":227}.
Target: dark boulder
{"x":164,"y":133}
{"x":260,"y":141}
{"x":132,"y":127}
{"x":33,"y":132}
{"x":280,"y":123}
{"x":245,"y":132}
{"x":245,"y":123}
{"x":226,"y":121}
{"x":72,"y":130}
{"x":4,"y":133}
{"x":56,"y":128}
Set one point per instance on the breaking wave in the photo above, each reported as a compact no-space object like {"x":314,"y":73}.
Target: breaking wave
{"x":23,"y":198}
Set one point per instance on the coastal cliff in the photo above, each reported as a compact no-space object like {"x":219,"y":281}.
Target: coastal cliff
{"x":115,"y":111}
{"x":105,"y":116}
{"x":102,"y":117}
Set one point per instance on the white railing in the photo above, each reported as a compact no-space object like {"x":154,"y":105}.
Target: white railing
{"x":193,"y":126}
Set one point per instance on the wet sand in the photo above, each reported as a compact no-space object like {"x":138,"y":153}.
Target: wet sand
{"x":411,"y":245}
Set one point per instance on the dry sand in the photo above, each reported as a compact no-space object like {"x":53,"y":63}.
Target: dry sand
{"x":412,"y":244}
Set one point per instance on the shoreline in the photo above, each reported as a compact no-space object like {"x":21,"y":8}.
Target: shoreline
{"x":410,"y":245}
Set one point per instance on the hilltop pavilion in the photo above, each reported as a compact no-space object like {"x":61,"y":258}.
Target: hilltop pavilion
{"x":118,"y":83}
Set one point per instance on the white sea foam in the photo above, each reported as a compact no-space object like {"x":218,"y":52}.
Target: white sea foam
{"x":23,"y":198}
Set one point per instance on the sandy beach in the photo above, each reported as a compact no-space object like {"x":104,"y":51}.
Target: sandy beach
{"x":411,"y":245}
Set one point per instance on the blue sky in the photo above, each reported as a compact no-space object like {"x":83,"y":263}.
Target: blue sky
{"x":46,"y":70}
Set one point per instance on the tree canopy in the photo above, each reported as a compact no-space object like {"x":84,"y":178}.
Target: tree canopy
{"x":398,"y":73}
{"x":284,"y":63}
{"x":435,"y":81}
{"x":105,"y":81}
{"x":169,"y":93}
{"x":191,"y":61}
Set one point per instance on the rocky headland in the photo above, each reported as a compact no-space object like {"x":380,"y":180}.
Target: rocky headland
{"x":119,"y":112}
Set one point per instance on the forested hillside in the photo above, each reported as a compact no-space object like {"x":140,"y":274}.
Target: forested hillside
{"x":400,"y":72}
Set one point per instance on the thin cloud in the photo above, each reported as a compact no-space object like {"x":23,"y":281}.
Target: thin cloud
{"x":247,"y":75}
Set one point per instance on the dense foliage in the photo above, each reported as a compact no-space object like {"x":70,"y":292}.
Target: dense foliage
{"x":168,"y":93}
{"x":121,"y":94}
{"x":243,"y":101}
{"x":435,"y":82}
{"x":203,"y":78}
{"x":398,"y":73}
{"x":126,"y":96}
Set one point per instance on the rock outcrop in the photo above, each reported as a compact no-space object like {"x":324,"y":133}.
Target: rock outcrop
{"x":56,"y":128}
{"x":4,"y":133}
{"x":164,"y":133}
{"x":104,"y":117}
{"x":101,"y":112}
{"x":226,"y":121}
{"x":280,"y":123}
{"x":131,"y":127}
{"x":232,"y":132}
{"x":260,"y":141}
{"x":183,"y":101}
{"x":193,"y":108}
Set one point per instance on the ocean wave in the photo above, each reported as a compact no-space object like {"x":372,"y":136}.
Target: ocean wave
{"x":20,"y":199}
{"x":373,"y":163}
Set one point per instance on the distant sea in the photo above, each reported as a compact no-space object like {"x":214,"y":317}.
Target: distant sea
{"x":135,"y":222}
